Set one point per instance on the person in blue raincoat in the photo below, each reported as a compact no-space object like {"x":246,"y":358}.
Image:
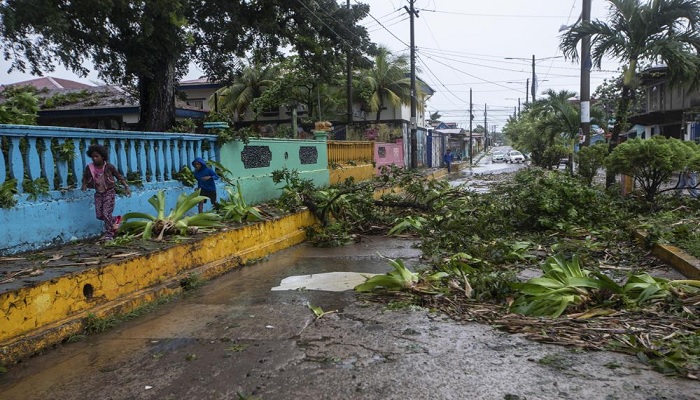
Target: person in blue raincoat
{"x":205,"y":182}
{"x":447,"y":160}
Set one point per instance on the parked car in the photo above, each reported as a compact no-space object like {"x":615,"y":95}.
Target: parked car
{"x":514,"y":156}
{"x":497,"y":156}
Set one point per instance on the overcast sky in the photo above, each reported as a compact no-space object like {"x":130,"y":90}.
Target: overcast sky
{"x":462,"y":44}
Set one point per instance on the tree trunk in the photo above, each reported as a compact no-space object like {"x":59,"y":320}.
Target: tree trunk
{"x":157,"y":98}
{"x":620,"y":124}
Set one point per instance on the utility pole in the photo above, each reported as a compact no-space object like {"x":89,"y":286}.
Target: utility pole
{"x":527,"y":89}
{"x":414,"y":131}
{"x":348,"y":71}
{"x":486,"y":127}
{"x":471,"y":118}
{"x":586,"y":76}
{"x":534,"y":80}
{"x":518,"y":107}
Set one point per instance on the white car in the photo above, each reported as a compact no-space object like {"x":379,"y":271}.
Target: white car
{"x":514,"y":156}
{"x":497,"y":156}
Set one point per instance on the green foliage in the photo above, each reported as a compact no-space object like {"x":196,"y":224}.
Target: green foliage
{"x":566,"y":285}
{"x":224,"y":173}
{"x":175,"y":222}
{"x":95,"y":324}
{"x":563,"y":285}
{"x":590,"y":160}
{"x":236,"y":209}
{"x":644,"y":288}
{"x":294,"y":190}
{"x":186,"y":176}
{"x":62,"y":99}
{"x":550,"y":199}
{"x":401,"y":278}
{"x":407,"y":223}
{"x":192,"y":282}
{"x":651,"y":162}
{"x":64,"y":151}
{"x":35,"y":188}
{"x":216,"y":34}
{"x":676,"y":355}
{"x":334,"y":234}
{"x":8,"y":190}
{"x":659,"y":32}
{"x":386,"y":83}
{"x":134,"y":178}
{"x":187,"y":125}
{"x":20,"y":107}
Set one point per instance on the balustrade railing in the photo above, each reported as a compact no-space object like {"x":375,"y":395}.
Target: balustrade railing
{"x":56,"y":155}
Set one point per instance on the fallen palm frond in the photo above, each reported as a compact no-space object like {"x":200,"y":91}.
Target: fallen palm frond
{"x":175,"y":222}
{"x":236,"y":209}
{"x":564,"y":284}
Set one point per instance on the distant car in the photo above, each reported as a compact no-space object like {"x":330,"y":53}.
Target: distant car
{"x":514,"y":156}
{"x":497,"y":156}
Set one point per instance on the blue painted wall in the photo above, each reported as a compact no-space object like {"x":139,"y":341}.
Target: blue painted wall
{"x":66,"y":213}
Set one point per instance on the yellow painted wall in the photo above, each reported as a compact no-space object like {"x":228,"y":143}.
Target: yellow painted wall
{"x":359,"y":172}
{"x":28,"y":309}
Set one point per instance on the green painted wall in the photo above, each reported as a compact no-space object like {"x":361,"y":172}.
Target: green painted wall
{"x":252,"y":164}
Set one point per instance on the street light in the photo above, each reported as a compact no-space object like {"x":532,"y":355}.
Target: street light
{"x":534,"y":76}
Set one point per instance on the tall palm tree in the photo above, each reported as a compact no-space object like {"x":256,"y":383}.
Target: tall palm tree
{"x":236,"y":98}
{"x":654,"y":31}
{"x":388,"y":81}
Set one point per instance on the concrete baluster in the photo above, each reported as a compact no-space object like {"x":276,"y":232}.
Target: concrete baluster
{"x":16,"y":163}
{"x":151,"y":159}
{"x":142,"y":160}
{"x":47,"y":160}
{"x":62,"y":167}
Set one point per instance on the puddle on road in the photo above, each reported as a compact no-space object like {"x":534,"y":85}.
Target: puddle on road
{"x":329,"y":281}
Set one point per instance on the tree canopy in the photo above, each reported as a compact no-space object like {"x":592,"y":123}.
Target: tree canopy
{"x":150,"y":43}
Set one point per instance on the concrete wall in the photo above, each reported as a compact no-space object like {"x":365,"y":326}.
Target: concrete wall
{"x":388,"y":154}
{"x":252,"y":164}
{"x":65,"y":213}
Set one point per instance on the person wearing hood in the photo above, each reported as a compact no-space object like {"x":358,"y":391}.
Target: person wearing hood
{"x":205,"y":182}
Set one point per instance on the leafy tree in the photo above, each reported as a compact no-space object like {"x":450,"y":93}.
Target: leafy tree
{"x":387,"y":81}
{"x":657,"y":30}
{"x":148,"y":44}
{"x":248,"y":84}
{"x":20,"y":107}
{"x":590,"y":160}
{"x":435,"y":117}
{"x":652,"y":162}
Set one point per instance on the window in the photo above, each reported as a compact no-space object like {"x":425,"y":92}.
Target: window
{"x":198,"y":104}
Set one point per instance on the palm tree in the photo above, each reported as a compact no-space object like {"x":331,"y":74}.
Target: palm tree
{"x":654,"y":31}
{"x":387,"y":81}
{"x":248,"y":85}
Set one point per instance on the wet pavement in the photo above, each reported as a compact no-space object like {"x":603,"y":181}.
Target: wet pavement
{"x":235,"y":336}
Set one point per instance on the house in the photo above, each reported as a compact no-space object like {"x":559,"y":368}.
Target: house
{"x":74,"y":104}
{"x":669,"y":111}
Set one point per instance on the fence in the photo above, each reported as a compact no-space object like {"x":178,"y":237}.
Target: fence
{"x":58,"y":154}
{"x":343,"y":152}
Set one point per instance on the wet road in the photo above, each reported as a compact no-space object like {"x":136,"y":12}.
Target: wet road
{"x":235,"y":336}
{"x":470,"y":176}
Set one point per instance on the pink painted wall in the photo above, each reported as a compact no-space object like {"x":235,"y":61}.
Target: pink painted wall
{"x":388,"y":153}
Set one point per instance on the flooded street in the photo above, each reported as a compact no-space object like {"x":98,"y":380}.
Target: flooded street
{"x":235,"y":336}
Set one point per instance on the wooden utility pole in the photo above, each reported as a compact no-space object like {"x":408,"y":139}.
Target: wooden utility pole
{"x":348,"y":72}
{"x":414,"y":128}
{"x":586,"y":65}
{"x":471,"y":118}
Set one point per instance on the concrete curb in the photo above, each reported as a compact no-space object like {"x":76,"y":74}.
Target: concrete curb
{"x":41,"y":316}
{"x":683,"y":262}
